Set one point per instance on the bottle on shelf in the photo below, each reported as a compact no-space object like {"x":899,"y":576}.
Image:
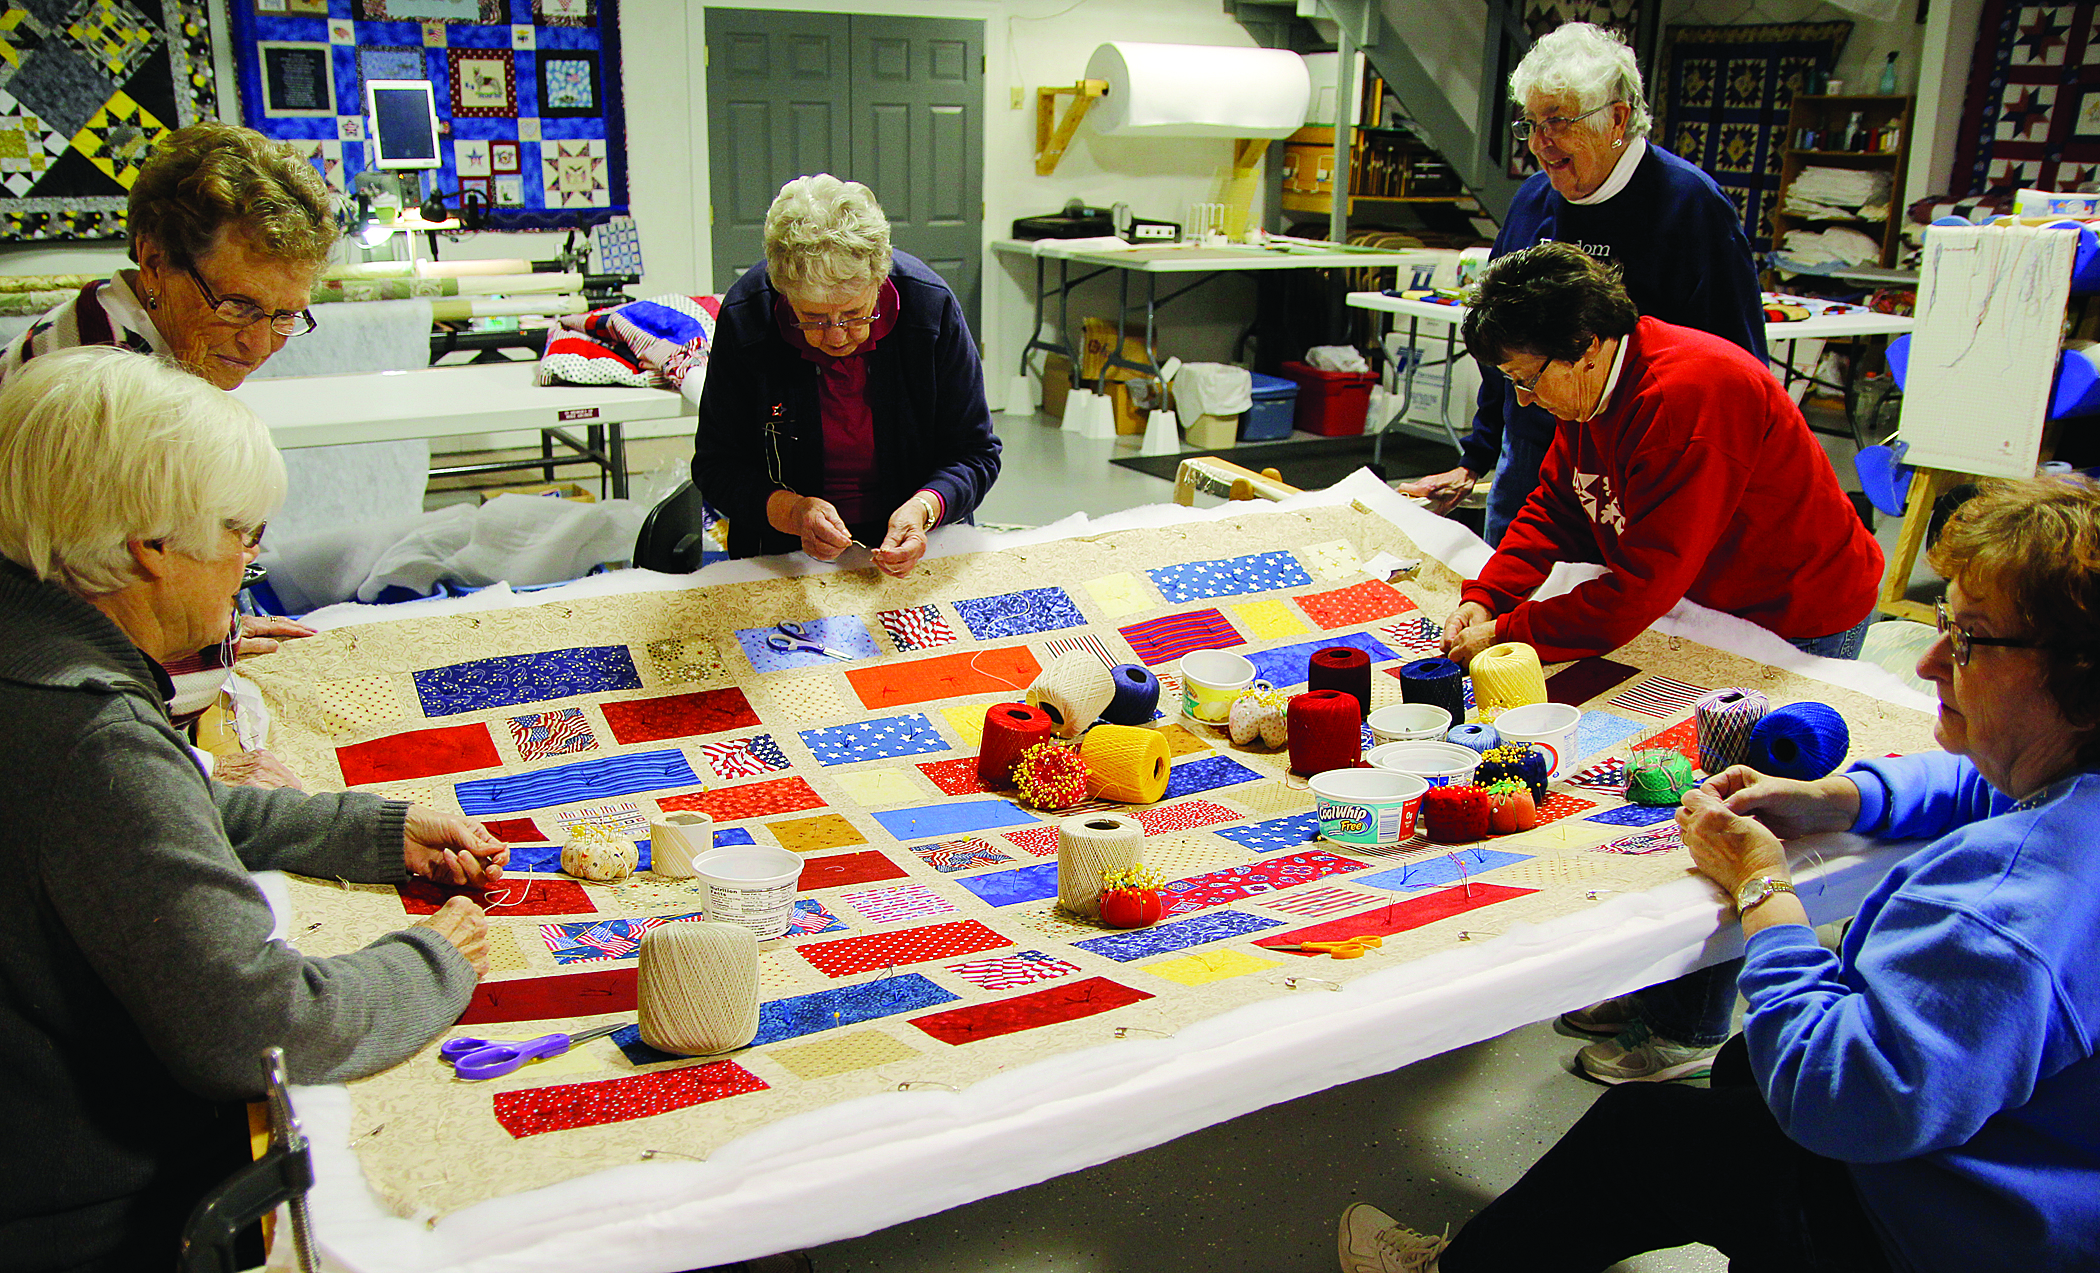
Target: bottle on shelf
{"x":1888,"y":75}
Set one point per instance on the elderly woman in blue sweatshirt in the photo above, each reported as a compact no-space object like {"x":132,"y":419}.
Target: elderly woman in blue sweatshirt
{"x":1928,"y":1097}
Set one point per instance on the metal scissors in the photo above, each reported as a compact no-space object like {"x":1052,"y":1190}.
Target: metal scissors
{"x":794,"y":636}
{"x":494,"y":1058}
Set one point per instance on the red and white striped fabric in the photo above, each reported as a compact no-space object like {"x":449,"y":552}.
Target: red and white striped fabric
{"x":1660,"y":696}
{"x":645,"y":344}
{"x":1010,"y":972}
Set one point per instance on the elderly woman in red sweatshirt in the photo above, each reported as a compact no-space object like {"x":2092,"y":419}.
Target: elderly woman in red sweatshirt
{"x":1679,"y":465}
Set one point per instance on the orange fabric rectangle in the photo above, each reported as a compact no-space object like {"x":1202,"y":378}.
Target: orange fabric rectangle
{"x":423,"y":753}
{"x":648,"y":720}
{"x":1008,"y":669}
{"x":748,"y":800}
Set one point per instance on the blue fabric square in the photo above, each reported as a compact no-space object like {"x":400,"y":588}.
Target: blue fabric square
{"x":1295,"y":831}
{"x":1206,"y":774}
{"x":525,"y":678}
{"x":1436,"y":872}
{"x":1161,"y":939}
{"x":1635,"y":815}
{"x":1011,"y":888}
{"x":1232,"y":577}
{"x":907,"y":735}
{"x":846,"y":634}
{"x":570,"y":784}
{"x":1286,"y":665}
{"x":1601,"y":731}
{"x":957,"y":818}
{"x":1019,"y":613}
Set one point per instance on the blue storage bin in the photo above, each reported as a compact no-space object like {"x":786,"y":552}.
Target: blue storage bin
{"x":1275,"y":404}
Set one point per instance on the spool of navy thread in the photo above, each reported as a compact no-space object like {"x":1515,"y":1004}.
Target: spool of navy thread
{"x":1344,"y":668}
{"x":1136,"y":698}
{"x":1476,"y":737}
{"x":1805,"y":741}
{"x":1438,"y":681}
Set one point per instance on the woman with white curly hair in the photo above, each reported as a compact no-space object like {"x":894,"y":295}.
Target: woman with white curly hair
{"x":845,"y":400}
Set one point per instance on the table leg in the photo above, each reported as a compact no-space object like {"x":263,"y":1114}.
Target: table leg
{"x":616,"y":457}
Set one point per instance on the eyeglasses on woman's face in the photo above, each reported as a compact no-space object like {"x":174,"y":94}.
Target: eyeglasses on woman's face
{"x":1963,"y":643}
{"x":236,"y":312}
{"x":1552,"y":126}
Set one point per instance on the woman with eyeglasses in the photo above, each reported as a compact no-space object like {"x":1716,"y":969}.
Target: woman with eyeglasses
{"x":140,"y":981}
{"x":1676,"y":240}
{"x":844,"y":401}
{"x":1925,"y":1097}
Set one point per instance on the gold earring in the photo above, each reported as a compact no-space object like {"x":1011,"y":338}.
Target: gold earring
{"x":152,"y":300}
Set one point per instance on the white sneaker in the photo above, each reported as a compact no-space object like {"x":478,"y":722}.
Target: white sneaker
{"x":1373,"y":1242}
{"x":1601,"y":1020}
{"x":1640,"y":1056}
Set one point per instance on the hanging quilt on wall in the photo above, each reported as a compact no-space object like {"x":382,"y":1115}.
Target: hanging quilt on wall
{"x":1723,"y":101}
{"x":86,"y":89}
{"x":2033,"y":114}
{"x":528,"y":94}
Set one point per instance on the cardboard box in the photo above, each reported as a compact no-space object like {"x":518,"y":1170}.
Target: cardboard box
{"x":1057,"y":383}
{"x":1213,"y":432}
{"x":1098,"y":338}
{"x":1135,"y":400}
{"x":558,"y":490}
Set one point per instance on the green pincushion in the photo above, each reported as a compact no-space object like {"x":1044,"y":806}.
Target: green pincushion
{"x":1658,"y":777}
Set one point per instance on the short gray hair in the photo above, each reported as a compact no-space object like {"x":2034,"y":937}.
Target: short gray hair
{"x":1589,"y":64}
{"x":100,"y":446}
{"x":825,"y":236}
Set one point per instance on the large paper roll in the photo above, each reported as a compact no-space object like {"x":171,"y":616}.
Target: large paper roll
{"x":697,"y":987}
{"x":1198,"y":90}
{"x":1087,"y":847}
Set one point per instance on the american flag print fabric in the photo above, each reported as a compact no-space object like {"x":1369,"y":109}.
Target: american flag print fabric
{"x":544,"y":734}
{"x":1167,"y":638}
{"x":744,"y":757}
{"x":605,"y":939}
{"x":1660,"y":696}
{"x":810,"y":918}
{"x":905,"y":901}
{"x":1605,"y":775}
{"x":916,"y":627}
{"x":1090,"y":643}
{"x":1011,"y":972}
{"x":951,"y":856}
{"x":1413,"y":636}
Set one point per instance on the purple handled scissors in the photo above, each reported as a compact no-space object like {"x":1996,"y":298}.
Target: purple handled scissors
{"x":494,"y":1058}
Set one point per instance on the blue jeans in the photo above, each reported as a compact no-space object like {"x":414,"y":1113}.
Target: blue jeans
{"x":1516,"y":477}
{"x":1695,"y":1009}
{"x":1840,"y":645}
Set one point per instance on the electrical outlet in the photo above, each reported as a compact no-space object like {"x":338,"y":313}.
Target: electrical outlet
{"x":1016,"y":91}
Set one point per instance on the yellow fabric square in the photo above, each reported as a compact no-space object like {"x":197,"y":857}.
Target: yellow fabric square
{"x":881,"y":786}
{"x":1268,"y":620}
{"x":686,"y":660}
{"x":1177,"y":857}
{"x":1181,"y":742}
{"x":1119,"y":595}
{"x":806,"y":696}
{"x":1211,"y":965}
{"x":859,"y":1050}
{"x":1272,"y":798}
{"x":504,"y":954}
{"x":813,"y":835}
{"x":968,"y":722}
{"x":359,"y":705}
{"x":1334,"y":559}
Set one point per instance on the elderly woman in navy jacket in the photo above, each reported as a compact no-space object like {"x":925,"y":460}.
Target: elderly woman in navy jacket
{"x":845,"y":400}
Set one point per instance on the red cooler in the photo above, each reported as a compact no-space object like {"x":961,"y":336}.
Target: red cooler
{"x":1332,"y":403}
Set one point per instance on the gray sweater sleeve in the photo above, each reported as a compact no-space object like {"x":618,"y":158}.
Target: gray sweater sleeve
{"x":151,"y":891}
{"x":351,"y":834}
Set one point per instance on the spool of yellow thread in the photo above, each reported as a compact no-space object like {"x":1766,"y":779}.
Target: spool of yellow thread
{"x":1505,"y":676}
{"x":1125,"y":763}
{"x":1072,"y":691}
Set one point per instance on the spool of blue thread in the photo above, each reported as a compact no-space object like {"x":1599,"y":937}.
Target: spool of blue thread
{"x":1438,"y":681}
{"x":1476,"y":737}
{"x":1136,"y":698}
{"x":1805,"y":741}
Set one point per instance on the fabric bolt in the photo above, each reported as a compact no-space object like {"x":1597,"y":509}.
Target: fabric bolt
{"x":1068,"y":1002}
{"x":1011,"y":972}
{"x":534,"y":1110}
{"x":843,"y":633}
{"x":905,"y":901}
{"x":1599,"y":731}
{"x":1007,"y":669}
{"x":1413,"y":636}
{"x":1287,"y":665}
{"x":525,"y":678}
{"x":1180,"y":934}
{"x":648,"y":720}
{"x":1660,"y":696}
{"x":1455,"y":867}
{"x":1585,"y":679}
{"x":590,"y":940}
{"x":845,"y":956}
{"x":747,"y":800}
{"x":560,"y":733}
{"x":1255,"y":572}
{"x":1011,"y":888}
{"x":909,"y":735}
{"x":1019,"y":613}
{"x":953,"y":818}
{"x":1270,"y":620}
{"x":1235,"y":883}
{"x":567,"y":784}
{"x":1088,"y":643}
{"x":1605,"y":775}
{"x":1318,"y":903}
{"x":424,"y":753}
{"x":965,"y":854}
{"x":1276,"y":833}
{"x":1165,"y":639}
{"x":956,"y":777}
{"x":810,"y":918}
{"x":744,"y":757}
{"x":915,"y":628}
{"x":578,"y":994}
{"x":1635,"y":815}
{"x":1206,"y":774}
{"x":841,"y":869}
{"x":1365,"y":602}
{"x":513,"y":895}
{"x":1399,"y":917}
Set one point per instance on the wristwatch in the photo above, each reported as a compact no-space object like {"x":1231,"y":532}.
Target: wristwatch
{"x":1753,"y":893}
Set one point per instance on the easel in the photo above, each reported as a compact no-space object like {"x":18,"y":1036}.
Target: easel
{"x":1926,"y":487}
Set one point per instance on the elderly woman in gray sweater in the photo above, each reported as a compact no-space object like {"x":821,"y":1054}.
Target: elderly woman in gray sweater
{"x":139,"y":982}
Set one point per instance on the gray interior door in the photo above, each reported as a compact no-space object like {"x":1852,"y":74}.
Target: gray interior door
{"x":888,"y":101}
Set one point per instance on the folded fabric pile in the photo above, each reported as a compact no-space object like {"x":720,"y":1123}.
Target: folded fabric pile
{"x":646,"y":344}
{"x":1834,"y":246}
{"x":1838,"y":194}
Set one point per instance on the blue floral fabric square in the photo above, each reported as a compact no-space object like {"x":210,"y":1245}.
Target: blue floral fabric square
{"x":1206,"y":774}
{"x":1019,"y":613}
{"x":525,"y":678}
{"x":1161,"y":939}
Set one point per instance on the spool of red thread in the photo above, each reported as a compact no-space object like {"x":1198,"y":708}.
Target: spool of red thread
{"x":1326,"y":731}
{"x":1344,"y":668}
{"x":1009,"y":730}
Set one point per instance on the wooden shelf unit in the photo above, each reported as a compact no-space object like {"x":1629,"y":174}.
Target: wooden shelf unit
{"x":1828,"y":118}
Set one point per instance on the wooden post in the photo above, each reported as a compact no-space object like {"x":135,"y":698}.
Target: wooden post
{"x":1926,"y":487}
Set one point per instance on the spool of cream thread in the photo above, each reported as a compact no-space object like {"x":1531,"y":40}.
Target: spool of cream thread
{"x":697,"y":988}
{"x":675,"y":839}
{"x":1505,"y":676}
{"x":1072,"y":691}
{"x":1087,"y":847}
{"x":1125,"y":763}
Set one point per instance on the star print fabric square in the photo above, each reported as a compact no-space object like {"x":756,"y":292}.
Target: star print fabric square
{"x":525,"y":678}
{"x":744,"y":757}
{"x":562,"y":733}
{"x":916,"y":628}
{"x":1019,"y":613}
{"x":1276,"y":833}
{"x":1202,"y":580}
{"x":1206,"y":774}
{"x":907,"y":735}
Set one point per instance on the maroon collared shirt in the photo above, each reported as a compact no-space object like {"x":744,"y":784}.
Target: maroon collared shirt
{"x":842,"y":409}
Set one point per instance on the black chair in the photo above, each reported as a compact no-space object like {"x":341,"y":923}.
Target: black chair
{"x":670,"y":539}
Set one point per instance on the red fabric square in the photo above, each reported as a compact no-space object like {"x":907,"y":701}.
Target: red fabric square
{"x":1086,"y":998}
{"x":1009,"y":668}
{"x":847,"y":868}
{"x":751,"y":800}
{"x":1682,"y":738}
{"x":849,"y":955}
{"x":1562,"y":805}
{"x":648,"y":720}
{"x":1041,"y":840}
{"x":1185,"y":815}
{"x":512,"y":895}
{"x":1269,"y":875}
{"x":957,"y":777}
{"x":424,"y":753}
{"x":580,"y":994}
{"x":533,"y":1110}
{"x":1399,"y":917}
{"x":1357,"y":603}
{"x":515,"y":830}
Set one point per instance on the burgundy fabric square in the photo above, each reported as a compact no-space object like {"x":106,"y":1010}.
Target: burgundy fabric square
{"x":511,"y":895}
{"x":424,"y":753}
{"x":515,"y":830}
{"x":648,"y":720}
{"x":577,"y":994}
